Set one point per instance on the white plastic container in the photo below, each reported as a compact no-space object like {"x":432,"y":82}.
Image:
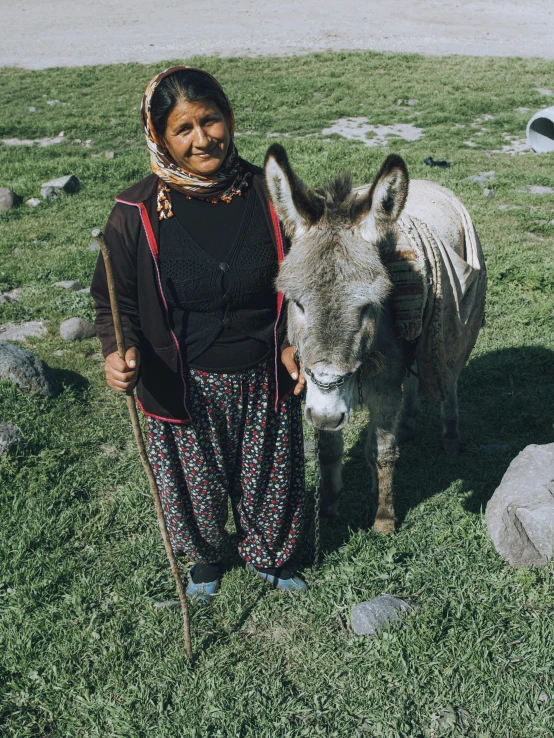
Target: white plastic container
{"x":540,"y":131}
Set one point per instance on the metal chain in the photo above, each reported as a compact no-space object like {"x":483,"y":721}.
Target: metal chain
{"x":317,"y":501}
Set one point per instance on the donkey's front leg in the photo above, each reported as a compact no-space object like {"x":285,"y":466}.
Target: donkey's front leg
{"x":330,"y":451}
{"x":382,"y":453}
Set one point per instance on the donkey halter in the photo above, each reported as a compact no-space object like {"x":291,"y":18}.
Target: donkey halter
{"x":326,"y":386}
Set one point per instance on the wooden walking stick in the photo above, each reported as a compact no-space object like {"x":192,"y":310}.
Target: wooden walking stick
{"x":99,"y":236}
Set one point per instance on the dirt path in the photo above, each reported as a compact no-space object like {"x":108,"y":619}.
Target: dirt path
{"x":42,"y":34}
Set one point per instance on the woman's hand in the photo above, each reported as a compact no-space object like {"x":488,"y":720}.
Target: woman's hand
{"x":122,"y":375}
{"x":287,"y":357}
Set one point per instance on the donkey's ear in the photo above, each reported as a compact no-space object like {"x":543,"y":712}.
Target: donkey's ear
{"x":296,"y":205}
{"x":382,"y":204}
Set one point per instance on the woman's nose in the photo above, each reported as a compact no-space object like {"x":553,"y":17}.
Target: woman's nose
{"x":200,"y":137}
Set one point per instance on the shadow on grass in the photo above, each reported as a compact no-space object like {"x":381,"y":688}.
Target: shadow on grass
{"x":506,"y":401}
{"x":72,"y":380}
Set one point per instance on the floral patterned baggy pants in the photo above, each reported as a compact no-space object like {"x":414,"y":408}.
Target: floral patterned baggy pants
{"x":236,"y":446}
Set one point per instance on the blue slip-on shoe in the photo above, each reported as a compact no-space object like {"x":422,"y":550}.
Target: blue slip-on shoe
{"x":292,"y":584}
{"x":203,"y":592}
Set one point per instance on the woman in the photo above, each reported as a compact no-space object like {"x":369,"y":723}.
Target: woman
{"x":195,"y":249}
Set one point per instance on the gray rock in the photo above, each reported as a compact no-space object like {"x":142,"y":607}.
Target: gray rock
{"x":70,"y":284}
{"x":412,"y":102}
{"x":33,"y":202}
{"x":76,"y":329}
{"x":166,"y":604}
{"x":85,"y":290}
{"x":319,"y":95}
{"x":26,"y":370}
{"x":539,"y":190}
{"x":494,"y":448}
{"x":32,"y":110}
{"x":68,"y":184}
{"x":109,"y":154}
{"x":10,"y":436}
{"x":17,"y":251}
{"x":22,"y":331}
{"x":520,"y":514}
{"x":8,"y":199}
{"x":94,"y":247}
{"x":482,"y":178}
{"x":488,"y":193}
{"x":544,"y":91}
{"x":368,"y":618}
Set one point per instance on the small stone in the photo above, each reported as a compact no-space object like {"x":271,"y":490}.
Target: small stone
{"x":109,"y":154}
{"x":539,"y":190}
{"x":33,"y":202}
{"x":8,"y":199}
{"x":94,"y":247}
{"x":60,"y":352}
{"x":84,"y":291}
{"x":413,"y":102}
{"x":69,"y":184}
{"x":22,"y":331}
{"x":109,"y":450}
{"x":165,"y":604}
{"x":17,"y":250}
{"x":319,"y":95}
{"x":32,"y":110}
{"x":69,"y":284}
{"x":26,"y":370}
{"x":52,"y":102}
{"x":543,"y":697}
{"x":10,"y":436}
{"x":488,"y":193}
{"x":544,"y":91}
{"x":482,"y":178}
{"x":75,"y":329}
{"x":524,"y":110}
{"x":495,"y":448}
{"x":368,"y":618}
{"x":520,"y":514}
{"x":14,"y":295}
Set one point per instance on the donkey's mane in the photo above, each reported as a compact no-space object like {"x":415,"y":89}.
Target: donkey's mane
{"x":338,"y":194}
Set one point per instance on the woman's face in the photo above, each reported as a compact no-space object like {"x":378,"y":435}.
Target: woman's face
{"x":197,"y":136}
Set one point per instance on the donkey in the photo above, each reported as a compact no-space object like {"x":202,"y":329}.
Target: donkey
{"x":341,"y":315}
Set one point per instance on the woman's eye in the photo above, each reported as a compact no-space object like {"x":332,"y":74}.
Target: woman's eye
{"x":299,"y":305}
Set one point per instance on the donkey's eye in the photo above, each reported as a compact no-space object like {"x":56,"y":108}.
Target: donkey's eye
{"x":299,"y":305}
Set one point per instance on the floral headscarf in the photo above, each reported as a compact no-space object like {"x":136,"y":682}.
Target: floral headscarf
{"x":227,"y":182}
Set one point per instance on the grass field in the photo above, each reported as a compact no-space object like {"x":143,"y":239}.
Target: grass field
{"x":83,"y":652}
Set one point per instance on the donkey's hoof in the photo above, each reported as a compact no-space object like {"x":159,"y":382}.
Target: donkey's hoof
{"x":451,"y":445}
{"x":385,"y":526}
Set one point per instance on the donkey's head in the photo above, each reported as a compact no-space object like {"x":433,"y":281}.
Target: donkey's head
{"x":333,"y":276}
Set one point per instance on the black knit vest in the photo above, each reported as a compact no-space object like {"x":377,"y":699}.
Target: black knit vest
{"x":220,"y":296}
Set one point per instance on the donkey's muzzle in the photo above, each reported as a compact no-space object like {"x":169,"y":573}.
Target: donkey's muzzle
{"x":325,"y":422}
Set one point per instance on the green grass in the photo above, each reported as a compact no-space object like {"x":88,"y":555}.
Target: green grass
{"x":83,"y":652}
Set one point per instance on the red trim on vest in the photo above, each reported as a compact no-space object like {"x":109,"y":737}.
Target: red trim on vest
{"x":159,"y":417}
{"x":280,"y":297}
{"x":154,"y":250}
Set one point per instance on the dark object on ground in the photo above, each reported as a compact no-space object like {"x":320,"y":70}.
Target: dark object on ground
{"x":368,"y":618}
{"x":68,"y":184}
{"x":520,"y":514}
{"x":23,"y":368}
{"x":10,"y":436}
{"x":432,"y":163}
{"x":8,"y":199}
